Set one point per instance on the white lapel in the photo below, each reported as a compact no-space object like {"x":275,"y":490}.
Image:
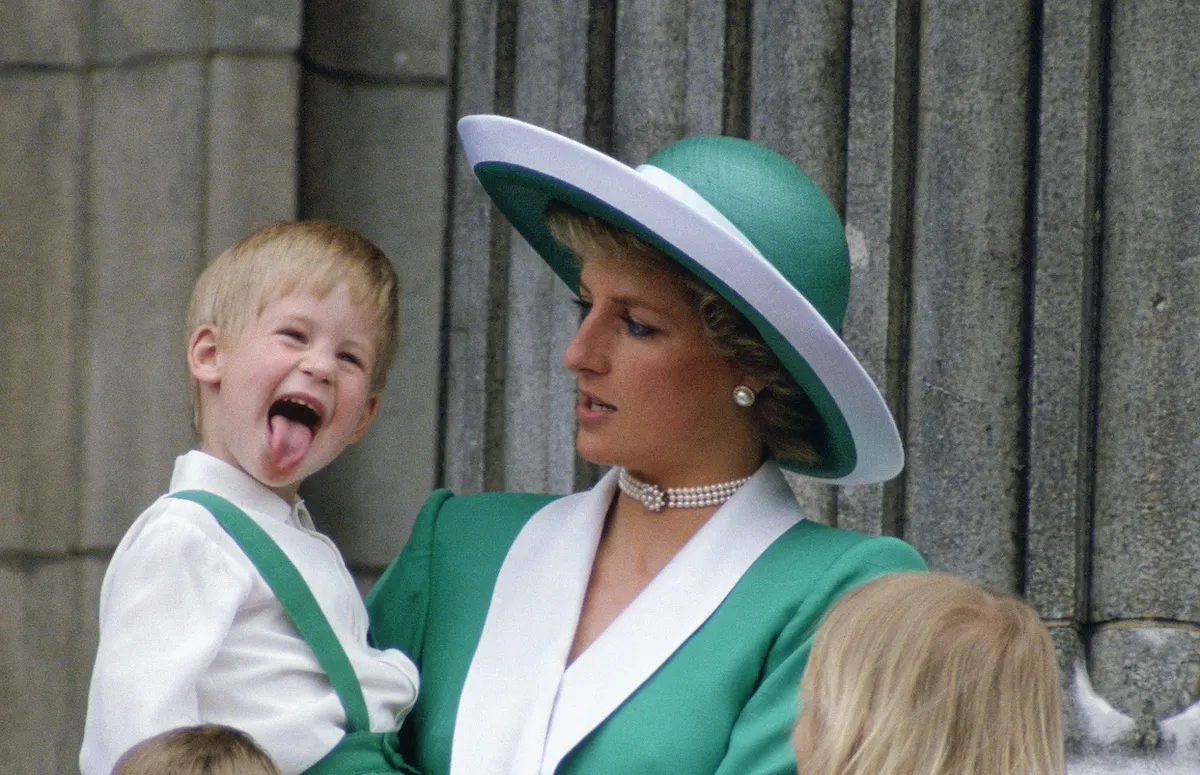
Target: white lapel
{"x":670,"y":609}
{"x":514,"y":676}
{"x":522,"y":710}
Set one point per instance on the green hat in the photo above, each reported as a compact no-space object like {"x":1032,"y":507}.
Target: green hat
{"x":743,"y":219}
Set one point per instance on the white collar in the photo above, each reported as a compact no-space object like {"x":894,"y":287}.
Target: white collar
{"x":198,"y":470}
{"x":522,"y":709}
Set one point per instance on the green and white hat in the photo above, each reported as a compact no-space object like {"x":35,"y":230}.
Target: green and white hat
{"x":742,"y":218}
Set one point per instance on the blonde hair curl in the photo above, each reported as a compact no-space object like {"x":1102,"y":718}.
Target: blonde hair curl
{"x":205,"y":749}
{"x":930,"y":674}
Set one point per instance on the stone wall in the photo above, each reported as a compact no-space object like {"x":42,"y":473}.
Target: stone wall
{"x":1018,"y":185}
{"x":138,"y":140}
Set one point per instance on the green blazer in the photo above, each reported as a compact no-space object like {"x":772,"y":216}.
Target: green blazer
{"x":698,"y":675}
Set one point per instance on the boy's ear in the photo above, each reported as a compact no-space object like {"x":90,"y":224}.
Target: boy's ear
{"x":203,"y":359}
{"x":368,"y":417}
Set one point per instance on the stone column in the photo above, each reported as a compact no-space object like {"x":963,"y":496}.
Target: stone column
{"x":373,"y":157}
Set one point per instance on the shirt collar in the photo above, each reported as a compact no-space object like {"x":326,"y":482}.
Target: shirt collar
{"x":198,"y":470}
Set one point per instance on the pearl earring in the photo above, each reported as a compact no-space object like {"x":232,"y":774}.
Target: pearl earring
{"x":743,"y":396}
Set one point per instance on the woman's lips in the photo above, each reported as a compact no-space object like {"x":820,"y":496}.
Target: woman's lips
{"x":590,"y":409}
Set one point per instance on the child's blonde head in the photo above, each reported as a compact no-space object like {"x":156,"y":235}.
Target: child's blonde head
{"x":297,"y":256}
{"x":207,"y":749}
{"x":930,"y":674}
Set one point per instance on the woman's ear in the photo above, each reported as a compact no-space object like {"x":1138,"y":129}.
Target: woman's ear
{"x":203,"y":356}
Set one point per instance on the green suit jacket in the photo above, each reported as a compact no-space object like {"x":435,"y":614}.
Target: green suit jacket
{"x":696,"y":681}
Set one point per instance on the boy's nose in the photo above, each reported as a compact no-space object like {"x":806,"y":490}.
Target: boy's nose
{"x":318,"y":364}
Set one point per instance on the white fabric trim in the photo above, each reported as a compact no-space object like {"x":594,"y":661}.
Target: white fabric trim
{"x":522,"y":708}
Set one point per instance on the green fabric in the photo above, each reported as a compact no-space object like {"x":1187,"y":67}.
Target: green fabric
{"x":779,"y":209}
{"x":459,"y":578}
{"x":363,"y":753}
{"x":724,"y":703}
{"x":360,"y":751}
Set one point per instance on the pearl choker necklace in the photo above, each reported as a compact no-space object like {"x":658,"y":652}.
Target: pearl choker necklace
{"x":655,"y":498}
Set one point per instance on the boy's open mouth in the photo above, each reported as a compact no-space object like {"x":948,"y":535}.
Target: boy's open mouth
{"x":291,"y":425}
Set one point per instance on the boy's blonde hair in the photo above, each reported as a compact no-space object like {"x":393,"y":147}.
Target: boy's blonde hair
{"x":289,"y":256}
{"x":206,"y":749}
{"x":930,"y":674}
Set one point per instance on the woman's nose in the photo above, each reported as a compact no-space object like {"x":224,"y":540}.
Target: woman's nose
{"x":586,"y":351}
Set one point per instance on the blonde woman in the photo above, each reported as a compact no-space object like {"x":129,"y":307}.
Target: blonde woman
{"x":930,"y":674}
{"x":205,"y":749}
{"x":658,"y":622}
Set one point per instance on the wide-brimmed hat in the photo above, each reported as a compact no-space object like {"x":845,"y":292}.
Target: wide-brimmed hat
{"x":741,"y":217}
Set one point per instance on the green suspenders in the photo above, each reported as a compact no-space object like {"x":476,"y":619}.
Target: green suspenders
{"x":297,"y":599}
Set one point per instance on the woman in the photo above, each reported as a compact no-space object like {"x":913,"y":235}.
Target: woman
{"x":659,"y":622}
{"x":929,"y":674}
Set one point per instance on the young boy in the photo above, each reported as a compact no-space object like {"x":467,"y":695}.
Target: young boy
{"x":291,"y":334}
{"x":205,"y":749}
{"x":930,"y":674}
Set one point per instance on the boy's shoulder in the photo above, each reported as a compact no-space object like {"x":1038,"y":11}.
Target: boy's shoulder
{"x":179,"y":529}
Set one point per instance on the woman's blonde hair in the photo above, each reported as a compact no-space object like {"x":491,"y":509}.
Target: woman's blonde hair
{"x":206,"y":749}
{"x":792,"y":430}
{"x":289,"y":256}
{"x":930,"y":674}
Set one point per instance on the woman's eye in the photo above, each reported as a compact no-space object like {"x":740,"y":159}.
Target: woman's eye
{"x":584,"y":306}
{"x":637,"y":329}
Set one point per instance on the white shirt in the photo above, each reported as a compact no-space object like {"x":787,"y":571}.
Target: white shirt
{"x":190,"y":632}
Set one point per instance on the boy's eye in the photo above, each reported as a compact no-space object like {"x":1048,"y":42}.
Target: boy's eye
{"x":351,"y":358}
{"x":292,"y":333}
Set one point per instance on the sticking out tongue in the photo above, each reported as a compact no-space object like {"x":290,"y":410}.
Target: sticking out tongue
{"x":288,"y":440}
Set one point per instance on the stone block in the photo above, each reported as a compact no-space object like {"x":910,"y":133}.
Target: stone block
{"x":550,"y":82}
{"x":1065,"y":276}
{"x":1147,"y":534}
{"x":667,"y":74}
{"x":540,"y":398}
{"x":798,"y":78}
{"x":47,"y":643}
{"x":256,"y":25}
{"x":1146,"y":678}
{"x":965,"y":391}
{"x":550,"y":70}
{"x":252,"y":142}
{"x":381,"y":38}
{"x":1072,"y":667}
{"x":878,"y":176}
{"x":470,"y":444}
{"x":867,"y":332}
{"x":145,"y":215}
{"x":41,"y":139}
{"x":375,"y":161}
{"x":818,"y":501}
{"x":123,"y":29}
{"x":45,"y":32}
